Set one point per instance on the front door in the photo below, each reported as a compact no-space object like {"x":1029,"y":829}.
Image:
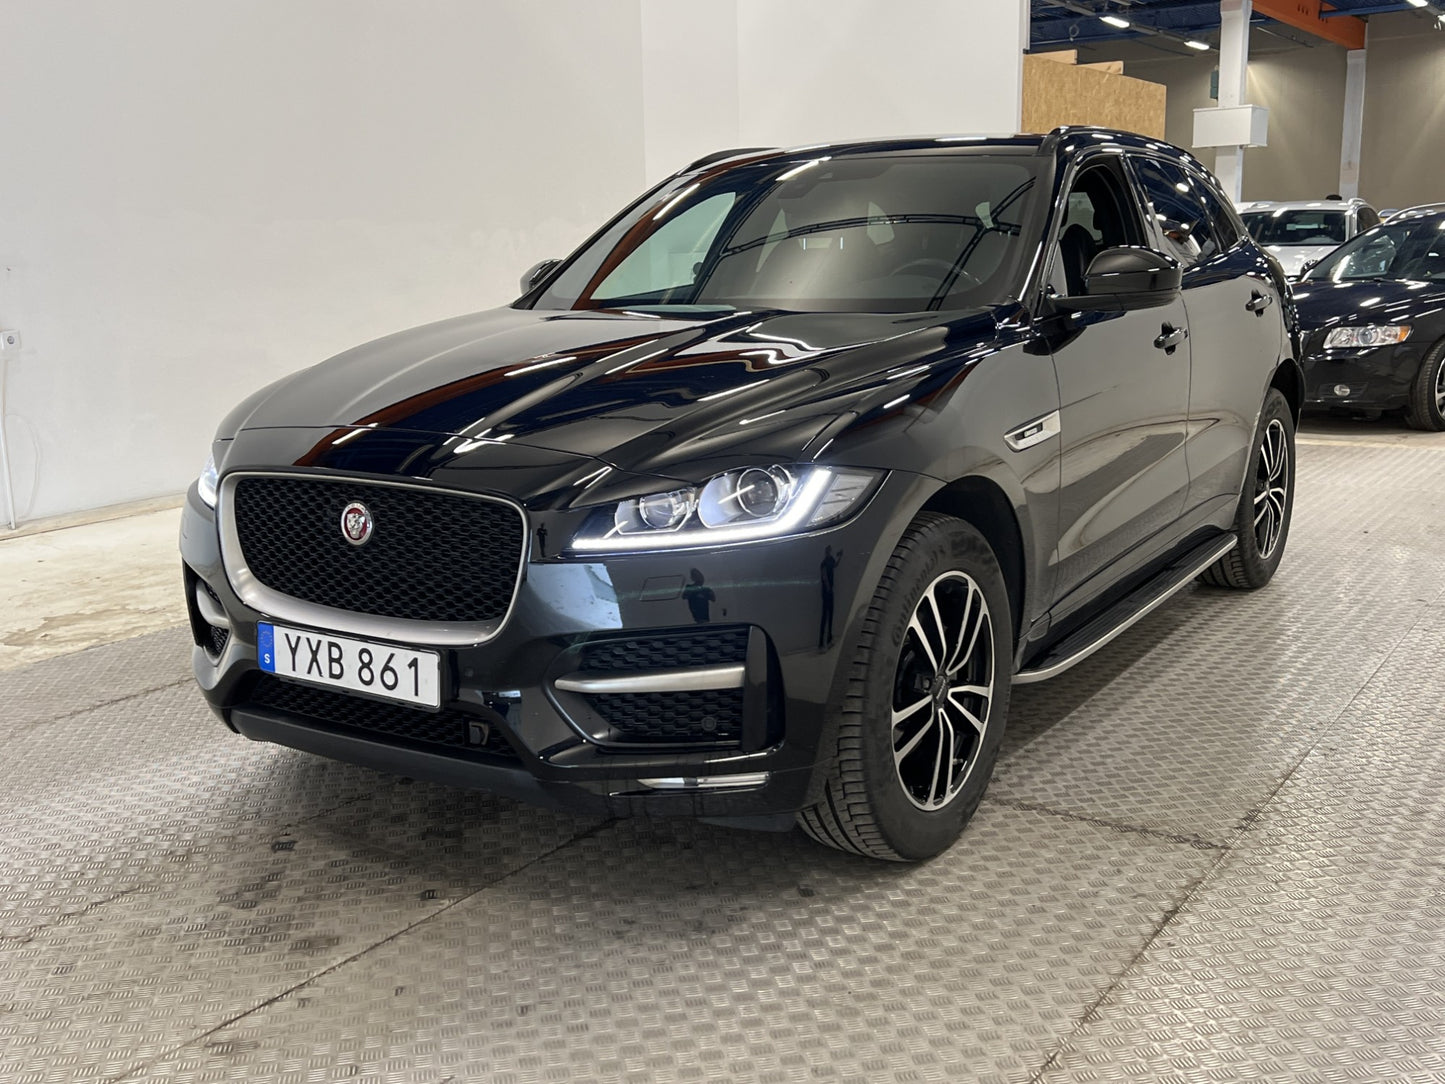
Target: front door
{"x":1124,"y":399}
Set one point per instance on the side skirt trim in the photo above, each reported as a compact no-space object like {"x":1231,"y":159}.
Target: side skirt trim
{"x":1150,"y":597}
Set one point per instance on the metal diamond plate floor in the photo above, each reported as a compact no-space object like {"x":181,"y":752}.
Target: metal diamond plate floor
{"x":1209,"y":854}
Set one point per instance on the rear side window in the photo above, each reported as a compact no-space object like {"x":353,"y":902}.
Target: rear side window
{"x":1188,"y":232}
{"x":1227,"y":227}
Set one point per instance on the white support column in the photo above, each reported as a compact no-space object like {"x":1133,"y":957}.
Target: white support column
{"x":1354,"y":123}
{"x":1233,"y":78}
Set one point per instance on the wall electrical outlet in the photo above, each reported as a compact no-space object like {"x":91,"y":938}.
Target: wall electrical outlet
{"x":9,"y":342}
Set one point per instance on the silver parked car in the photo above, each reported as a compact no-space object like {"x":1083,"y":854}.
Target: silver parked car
{"x":1298,"y":232}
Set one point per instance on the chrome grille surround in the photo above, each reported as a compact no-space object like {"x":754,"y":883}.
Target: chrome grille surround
{"x":286,"y":609}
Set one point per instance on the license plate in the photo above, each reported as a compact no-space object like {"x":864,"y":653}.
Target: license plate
{"x":340,"y":662}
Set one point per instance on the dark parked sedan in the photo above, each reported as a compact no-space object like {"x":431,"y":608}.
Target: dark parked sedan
{"x":1373,"y":315}
{"x":754,"y":508}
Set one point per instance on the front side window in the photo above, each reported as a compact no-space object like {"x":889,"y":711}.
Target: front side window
{"x":1188,"y":233}
{"x":856,"y":234}
{"x":1297,"y":226}
{"x":1412,"y":250}
{"x":1097,"y":215}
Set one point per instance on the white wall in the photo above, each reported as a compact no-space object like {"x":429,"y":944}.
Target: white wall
{"x":815,"y":70}
{"x":196,"y":198}
{"x":766,"y":73}
{"x":689,"y":82}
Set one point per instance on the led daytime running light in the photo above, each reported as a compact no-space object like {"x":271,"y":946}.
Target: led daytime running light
{"x":806,"y":506}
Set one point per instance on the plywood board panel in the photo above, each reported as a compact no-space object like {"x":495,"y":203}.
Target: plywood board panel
{"x":1056,"y":94}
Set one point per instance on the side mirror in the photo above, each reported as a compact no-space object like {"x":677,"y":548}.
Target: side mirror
{"x":536,"y":273}
{"x":1126,"y":278}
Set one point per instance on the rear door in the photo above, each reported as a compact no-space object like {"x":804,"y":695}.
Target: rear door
{"x":1123,"y":399}
{"x":1234,"y":325}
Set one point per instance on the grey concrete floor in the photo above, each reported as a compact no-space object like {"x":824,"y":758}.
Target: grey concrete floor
{"x":1209,"y":854}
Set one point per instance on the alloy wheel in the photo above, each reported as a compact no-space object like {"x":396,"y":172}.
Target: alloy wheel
{"x":1440,"y":390}
{"x":942,"y":691}
{"x":1271,"y":487}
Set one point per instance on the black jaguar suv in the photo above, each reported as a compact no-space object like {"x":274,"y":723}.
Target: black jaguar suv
{"x":755,"y":506}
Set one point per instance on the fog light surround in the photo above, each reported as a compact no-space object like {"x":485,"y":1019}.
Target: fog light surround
{"x":707,"y":782}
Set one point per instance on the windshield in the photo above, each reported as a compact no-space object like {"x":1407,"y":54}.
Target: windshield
{"x":1414,"y":250}
{"x":880,"y":234}
{"x":1296,"y":226}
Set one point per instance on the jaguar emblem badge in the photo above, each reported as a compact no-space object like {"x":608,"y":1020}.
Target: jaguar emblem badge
{"x":356,"y":523}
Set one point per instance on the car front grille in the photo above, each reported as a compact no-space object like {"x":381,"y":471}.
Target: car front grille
{"x":432,"y":556}
{"x":455,"y":729}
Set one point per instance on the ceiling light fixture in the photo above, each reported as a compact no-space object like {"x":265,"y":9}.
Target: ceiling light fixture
{"x":1419,"y":3}
{"x":1201,"y":46}
{"x":1114,"y":20}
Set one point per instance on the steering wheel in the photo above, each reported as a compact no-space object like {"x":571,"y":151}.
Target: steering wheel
{"x":944,"y":267}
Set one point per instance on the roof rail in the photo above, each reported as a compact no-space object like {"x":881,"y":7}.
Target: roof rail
{"x":1419,"y":208}
{"x":718,"y":156}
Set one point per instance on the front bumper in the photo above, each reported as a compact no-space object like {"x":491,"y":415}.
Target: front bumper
{"x":1378,"y":379}
{"x":522,"y":730}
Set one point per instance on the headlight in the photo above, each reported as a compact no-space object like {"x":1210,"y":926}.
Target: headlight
{"x":739,"y":506}
{"x":206,"y":483}
{"x":1375,"y":335}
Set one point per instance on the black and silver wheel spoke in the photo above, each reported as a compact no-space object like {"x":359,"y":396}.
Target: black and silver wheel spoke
{"x":1440,"y":390}
{"x":943,"y":691}
{"x":1271,"y":489}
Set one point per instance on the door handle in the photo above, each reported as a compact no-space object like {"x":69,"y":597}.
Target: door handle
{"x":1258,"y":302}
{"x":1170,"y":337}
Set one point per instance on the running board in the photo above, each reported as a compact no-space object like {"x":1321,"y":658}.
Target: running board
{"x":1129,"y":610}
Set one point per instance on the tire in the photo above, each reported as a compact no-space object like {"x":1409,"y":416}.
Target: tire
{"x":1261,"y":522}
{"x":1425,"y":408}
{"x":905,"y":810}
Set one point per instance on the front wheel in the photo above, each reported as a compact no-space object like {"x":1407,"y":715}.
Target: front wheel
{"x":1426,"y":406}
{"x":1261,"y":522}
{"x":925,"y":700}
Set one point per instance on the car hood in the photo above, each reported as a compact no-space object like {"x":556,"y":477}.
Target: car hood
{"x":1365,"y":301}
{"x":645,"y":394}
{"x":1293,"y":257}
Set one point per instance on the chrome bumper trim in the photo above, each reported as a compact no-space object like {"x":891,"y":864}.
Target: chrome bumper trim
{"x":691,"y":679}
{"x":707,"y":782}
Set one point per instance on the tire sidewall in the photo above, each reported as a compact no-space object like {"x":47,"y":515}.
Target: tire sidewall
{"x":948,"y":546}
{"x":1259,"y":569}
{"x":1424,"y":412}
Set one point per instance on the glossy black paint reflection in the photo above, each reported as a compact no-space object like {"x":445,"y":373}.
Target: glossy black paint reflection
{"x":1378,"y":378}
{"x":569,"y":411}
